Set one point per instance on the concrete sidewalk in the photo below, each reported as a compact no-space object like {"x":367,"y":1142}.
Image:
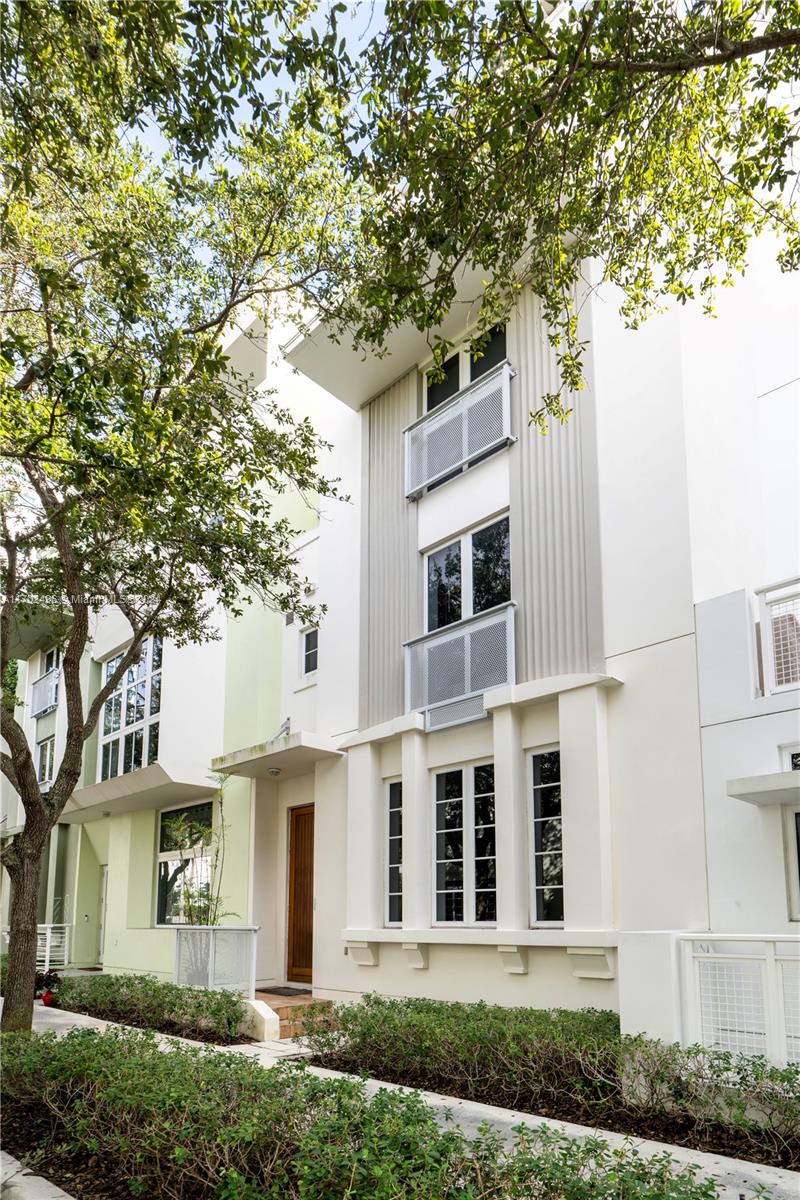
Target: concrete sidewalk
{"x":735,"y":1178}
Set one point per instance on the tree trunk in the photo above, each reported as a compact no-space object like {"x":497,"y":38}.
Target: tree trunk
{"x":20,"y":977}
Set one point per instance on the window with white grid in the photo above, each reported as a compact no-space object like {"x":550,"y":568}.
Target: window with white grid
{"x":465,"y":853}
{"x":548,"y":857}
{"x":130,"y":725}
{"x":45,"y":754}
{"x":394,"y":866}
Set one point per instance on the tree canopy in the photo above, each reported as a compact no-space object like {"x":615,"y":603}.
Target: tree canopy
{"x":527,"y":139}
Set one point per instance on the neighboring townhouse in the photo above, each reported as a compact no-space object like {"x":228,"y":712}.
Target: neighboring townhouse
{"x":136,"y":844}
{"x":550,"y":797}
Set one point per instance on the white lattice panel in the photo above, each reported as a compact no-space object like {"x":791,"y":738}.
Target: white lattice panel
{"x":732,"y":1011}
{"x":785,"y":620}
{"x":790,"y":987}
{"x":221,"y":957}
{"x":475,"y":421}
{"x":459,"y":663}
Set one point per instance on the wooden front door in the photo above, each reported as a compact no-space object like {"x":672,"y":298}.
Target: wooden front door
{"x":301,"y":893}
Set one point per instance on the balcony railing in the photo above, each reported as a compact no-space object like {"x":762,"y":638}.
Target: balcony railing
{"x":476,"y":421}
{"x":44,"y":693}
{"x":779,"y":607}
{"x":52,"y":945}
{"x":448,"y":671}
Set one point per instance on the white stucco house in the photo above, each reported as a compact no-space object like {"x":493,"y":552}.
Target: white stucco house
{"x":543,"y":747}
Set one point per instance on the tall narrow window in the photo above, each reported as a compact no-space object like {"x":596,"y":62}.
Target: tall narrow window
{"x":466,"y":886}
{"x":394,"y":907}
{"x":491,"y":566}
{"x":548,"y":867}
{"x":310,"y":651}
{"x":45,"y":752}
{"x":130,"y":728}
{"x":444,"y":586}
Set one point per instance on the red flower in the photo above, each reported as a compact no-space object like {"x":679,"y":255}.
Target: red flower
{"x":48,"y":999}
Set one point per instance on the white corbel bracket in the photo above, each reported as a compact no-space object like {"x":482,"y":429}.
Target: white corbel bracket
{"x":592,"y":962}
{"x":416,"y":955}
{"x":363,"y":954}
{"x":514,"y":959}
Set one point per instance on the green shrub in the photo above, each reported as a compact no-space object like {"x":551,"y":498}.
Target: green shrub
{"x":193,"y":1124}
{"x":574,"y":1066}
{"x":147,"y":1003}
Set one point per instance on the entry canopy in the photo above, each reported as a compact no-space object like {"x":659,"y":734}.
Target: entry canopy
{"x":355,"y":376}
{"x":780,"y":787}
{"x":289,"y":756}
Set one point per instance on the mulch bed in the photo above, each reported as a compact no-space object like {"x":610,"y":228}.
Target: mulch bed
{"x":672,"y":1128}
{"x":41,"y":1143}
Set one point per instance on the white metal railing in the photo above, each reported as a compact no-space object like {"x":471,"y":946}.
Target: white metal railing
{"x":221,"y":957}
{"x":52,"y":946}
{"x":448,"y":671}
{"x":779,"y":614}
{"x":476,"y":420}
{"x":743,"y":994}
{"x":44,"y":693}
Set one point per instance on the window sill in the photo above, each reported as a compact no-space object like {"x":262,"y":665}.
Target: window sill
{"x":309,"y":681}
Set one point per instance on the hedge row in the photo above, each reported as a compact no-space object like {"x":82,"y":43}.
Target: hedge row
{"x":193,"y":1124}
{"x":574,"y":1066}
{"x":147,"y":1003}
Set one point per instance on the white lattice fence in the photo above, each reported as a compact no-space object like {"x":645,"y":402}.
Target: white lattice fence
{"x":221,"y":957}
{"x":743,"y":995}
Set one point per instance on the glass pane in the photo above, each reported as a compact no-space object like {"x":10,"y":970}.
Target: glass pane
{"x":547,"y":837}
{"x":484,"y":779}
{"x":449,"y":845}
{"x":395,"y":795}
{"x":484,"y":842}
{"x":448,"y":786}
{"x":156,"y":654}
{"x":492,"y":354}
{"x":395,"y":879}
{"x":152,"y":744}
{"x":137,"y":669}
{"x":132,"y":759}
{"x":549,"y":870}
{"x":550,"y":904}
{"x":155,"y":695}
{"x":444,"y":586}
{"x":547,"y":802}
{"x":396,"y":908}
{"x":484,"y":810}
{"x":134,"y":705}
{"x":450,"y":906}
{"x":111,"y":666}
{"x":546,"y":768}
{"x":395,"y":850}
{"x":450,"y":815}
{"x":449,"y":876}
{"x":184,"y":827}
{"x":491,"y":567}
{"x":485,"y":906}
{"x":485,"y":873}
{"x":112,"y":716}
{"x":395,"y":823}
{"x":443,"y":389}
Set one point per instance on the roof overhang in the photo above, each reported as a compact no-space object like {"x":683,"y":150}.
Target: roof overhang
{"x":282,"y":757}
{"x":780,"y":787}
{"x":355,"y":376}
{"x":151,"y":787}
{"x":40,"y":627}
